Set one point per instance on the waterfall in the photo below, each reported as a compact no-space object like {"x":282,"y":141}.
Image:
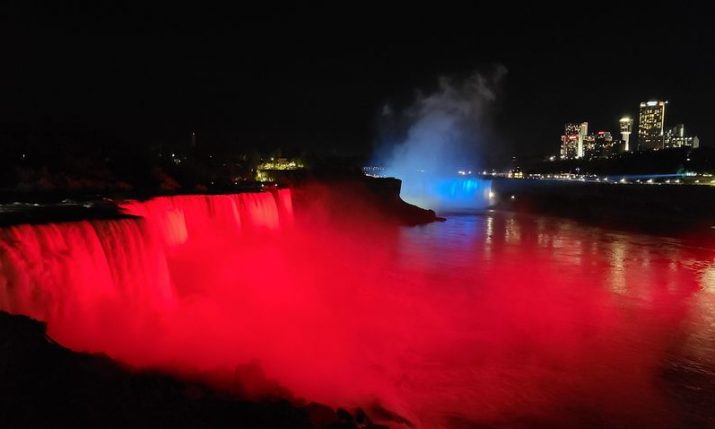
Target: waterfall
{"x":180,"y":219}
{"x":85,"y":278}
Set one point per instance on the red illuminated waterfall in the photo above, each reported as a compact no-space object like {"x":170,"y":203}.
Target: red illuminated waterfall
{"x":101,"y":283}
{"x":486,"y":319}
{"x":178,"y":220}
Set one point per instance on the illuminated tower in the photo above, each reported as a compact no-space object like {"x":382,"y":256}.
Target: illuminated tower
{"x":582,"y":133}
{"x":572,"y":140}
{"x":650,"y":125}
{"x":626,"y":126}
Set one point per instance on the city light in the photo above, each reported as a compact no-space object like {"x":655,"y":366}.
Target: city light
{"x":652,"y":134}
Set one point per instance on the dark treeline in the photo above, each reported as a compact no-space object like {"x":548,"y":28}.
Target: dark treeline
{"x":71,"y":163}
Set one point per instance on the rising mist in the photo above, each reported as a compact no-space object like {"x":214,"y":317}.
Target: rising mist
{"x":444,"y":143}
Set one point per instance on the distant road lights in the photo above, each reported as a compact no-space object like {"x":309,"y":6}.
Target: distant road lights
{"x":623,"y":180}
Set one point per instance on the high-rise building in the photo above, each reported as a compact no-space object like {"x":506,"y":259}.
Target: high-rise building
{"x":589,"y":146}
{"x":569,"y":141}
{"x":604,"y":144}
{"x":599,"y":145}
{"x":626,"y":126}
{"x":676,"y":137}
{"x":572,"y":140}
{"x":582,"y":133}
{"x":650,"y":125}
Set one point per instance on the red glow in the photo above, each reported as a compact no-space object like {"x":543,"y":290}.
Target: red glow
{"x":520,"y":319}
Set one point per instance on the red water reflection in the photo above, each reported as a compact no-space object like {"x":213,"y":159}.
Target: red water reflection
{"x":493,"y":319}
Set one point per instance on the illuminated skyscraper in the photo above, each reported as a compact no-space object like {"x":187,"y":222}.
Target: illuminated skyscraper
{"x":569,"y":141}
{"x":572,"y":140}
{"x":582,"y":133}
{"x":650,"y":125}
{"x":626,"y":126}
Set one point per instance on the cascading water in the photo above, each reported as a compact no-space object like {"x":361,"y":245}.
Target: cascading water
{"x":445,"y":193}
{"x":489,"y":320}
{"x":198,"y":217}
{"x":83,"y":277}
{"x":89,"y":279}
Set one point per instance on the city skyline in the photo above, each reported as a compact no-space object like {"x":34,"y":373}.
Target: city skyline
{"x":316,"y":78}
{"x":653,"y":132}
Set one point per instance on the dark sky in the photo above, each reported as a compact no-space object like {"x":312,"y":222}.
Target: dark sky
{"x":317,"y":76}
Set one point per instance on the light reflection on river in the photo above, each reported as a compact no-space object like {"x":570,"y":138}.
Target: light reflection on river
{"x":575,"y":325}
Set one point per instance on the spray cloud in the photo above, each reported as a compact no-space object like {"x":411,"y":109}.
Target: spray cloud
{"x":443,"y":137}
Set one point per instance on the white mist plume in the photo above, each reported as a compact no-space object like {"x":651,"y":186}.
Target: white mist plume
{"x":443,"y":137}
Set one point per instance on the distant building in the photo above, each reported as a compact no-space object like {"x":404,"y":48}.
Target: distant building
{"x":652,"y":135}
{"x":582,"y":133}
{"x":606,"y":147}
{"x":275,"y":169}
{"x":569,"y":141}
{"x":650,"y":125}
{"x":677,"y":137}
{"x":589,"y":146}
{"x":600,"y":145}
{"x":572,"y":140}
{"x":626,"y":127}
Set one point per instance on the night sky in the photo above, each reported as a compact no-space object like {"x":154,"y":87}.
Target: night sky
{"x":316,"y":77}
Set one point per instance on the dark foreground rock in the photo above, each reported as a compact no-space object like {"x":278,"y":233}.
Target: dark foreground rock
{"x":385,"y":194}
{"x":45,"y":385}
